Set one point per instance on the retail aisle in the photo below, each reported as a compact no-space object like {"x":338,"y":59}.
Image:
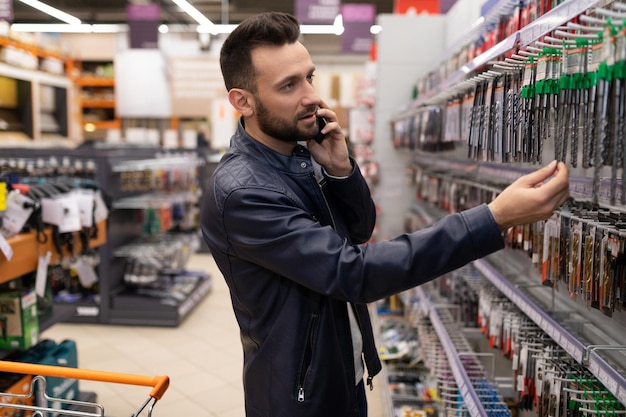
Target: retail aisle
{"x":202,"y":357}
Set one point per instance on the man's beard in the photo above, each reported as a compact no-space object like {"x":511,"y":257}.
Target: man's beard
{"x":282,"y":129}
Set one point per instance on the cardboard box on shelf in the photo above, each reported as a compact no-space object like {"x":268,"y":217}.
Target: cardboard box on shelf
{"x":18,"y":320}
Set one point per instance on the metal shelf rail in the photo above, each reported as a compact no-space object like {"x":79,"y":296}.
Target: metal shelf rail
{"x":561,"y":14}
{"x":586,"y":355}
{"x":473,"y":403}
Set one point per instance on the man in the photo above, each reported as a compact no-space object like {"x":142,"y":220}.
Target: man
{"x":285,"y":217}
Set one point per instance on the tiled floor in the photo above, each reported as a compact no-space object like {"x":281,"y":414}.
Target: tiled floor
{"x":202,"y":357}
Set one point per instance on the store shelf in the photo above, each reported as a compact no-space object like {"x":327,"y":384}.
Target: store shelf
{"x":523,"y":37}
{"x":96,"y":87}
{"x":105,"y":124}
{"x":556,"y":17}
{"x":96,"y":82}
{"x":27,"y":249}
{"x":33,"y":49}
{"x":34,"y":76}
{"x":98,"y":103}
{"x":470,"y":397}
{"x":581,"y":352}
{"x":155,"y":307}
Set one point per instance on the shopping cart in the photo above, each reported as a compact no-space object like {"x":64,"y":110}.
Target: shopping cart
{"x":36,"y":399}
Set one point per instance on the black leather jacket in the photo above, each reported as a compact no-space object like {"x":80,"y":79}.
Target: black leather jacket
{"x":290,"y":251}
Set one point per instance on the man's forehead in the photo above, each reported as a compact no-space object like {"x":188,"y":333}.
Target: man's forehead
{"x":273,"y":58}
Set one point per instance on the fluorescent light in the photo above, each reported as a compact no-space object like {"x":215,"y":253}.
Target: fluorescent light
{"x":318,"y":30}
{"x":376,"y":29}
{"x":214,"y":29}
{"x":108,"y":28}
{"x":50,"y":28}
{"x":193,"y":12}
{"x":68,"y":18}
{"x":64,"y":28}
{"x":335,"y":29}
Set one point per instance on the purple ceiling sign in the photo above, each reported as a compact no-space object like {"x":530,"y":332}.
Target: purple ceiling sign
{"x":317,"y":12}
{"x":357,"y":21}
{"x":143,"y":24}
{"x":6,"y":10}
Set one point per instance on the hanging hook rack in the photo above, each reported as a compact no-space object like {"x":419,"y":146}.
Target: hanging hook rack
{"x":592,"y":348}
{"x":584,"y":28}
{"x":610,"y":14}
{"x":592,"y":20}
{"x":568,"y":35}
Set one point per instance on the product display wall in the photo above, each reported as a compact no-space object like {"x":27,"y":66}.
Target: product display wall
{"x":492,"y":111}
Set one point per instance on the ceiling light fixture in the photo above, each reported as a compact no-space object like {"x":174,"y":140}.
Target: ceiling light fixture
{"x":64,"y":28}
{"x":68,"y":18}
{"x":335,"y":29}
{"x":193,"y":12}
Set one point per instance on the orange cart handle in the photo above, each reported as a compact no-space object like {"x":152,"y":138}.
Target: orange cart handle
{"x":159,"y":383}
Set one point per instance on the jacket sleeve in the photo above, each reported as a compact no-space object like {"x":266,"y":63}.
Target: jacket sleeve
{"x":269,"y":229}
{"x":354,"y":202}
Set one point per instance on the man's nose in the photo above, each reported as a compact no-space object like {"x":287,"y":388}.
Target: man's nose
{"x":311,"y":97}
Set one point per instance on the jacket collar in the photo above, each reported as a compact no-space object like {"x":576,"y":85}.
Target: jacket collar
{"x":243,"y":143}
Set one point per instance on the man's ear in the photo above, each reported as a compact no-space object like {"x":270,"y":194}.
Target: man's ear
{"x":242,"y":101}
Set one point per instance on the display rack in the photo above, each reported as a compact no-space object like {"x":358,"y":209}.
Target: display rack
{"x":97,"y":98}
{"x":27,"y":249}
{"x":592,"y":356}
{"x":600,"y":347}
{"x":30,"y":85}
{"x":585,"y":354}
{"x":523,"y":37}
{"x":466,"y":389}
{"x":124,"y":227}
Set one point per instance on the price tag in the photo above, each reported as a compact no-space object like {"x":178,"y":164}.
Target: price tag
{"x":87,"y":311}
{"x":101,"y":212}
{"x":5,"y":248}
{"x":621,"y":394}
{"x":19,"y":208}
{"x":42,"y":274}
{"x":86,"y":202}
{"x":62,"y":212}
{"x":607,"y":380}
{"x":86,"y":274}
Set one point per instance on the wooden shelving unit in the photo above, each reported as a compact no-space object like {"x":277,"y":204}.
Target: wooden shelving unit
{"x":27,"y":248}
{"x":31,"y":78}
{"x":96,"y":91}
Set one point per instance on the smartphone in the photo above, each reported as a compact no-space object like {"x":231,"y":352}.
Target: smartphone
{"x":321,"y":122}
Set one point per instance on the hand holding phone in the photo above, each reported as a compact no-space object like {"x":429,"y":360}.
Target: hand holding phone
{"x":321,"y":122}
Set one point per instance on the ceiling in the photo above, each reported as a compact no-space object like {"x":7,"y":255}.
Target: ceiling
{"x":218,"y":11}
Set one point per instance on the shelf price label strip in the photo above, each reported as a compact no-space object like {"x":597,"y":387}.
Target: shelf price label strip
{"x":606,"y":374}
{"x":470,"y":397}
{"x":561,"y":14}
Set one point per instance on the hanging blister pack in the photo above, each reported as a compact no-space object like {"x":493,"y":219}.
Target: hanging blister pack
{"x":589,"y":138}
{"x":619,"y":77}
{"x":578,"y":113}
{"x":527,"y":95}
{"x":466,"y":115}
{"x":487,"y":130}
{"x":574,"y":285}
{"x":498,"y":106}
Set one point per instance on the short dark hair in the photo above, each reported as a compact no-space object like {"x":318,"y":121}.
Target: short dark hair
{"x":264,"y":29}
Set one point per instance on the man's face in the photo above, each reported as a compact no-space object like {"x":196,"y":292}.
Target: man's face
{"x":285,"y":102}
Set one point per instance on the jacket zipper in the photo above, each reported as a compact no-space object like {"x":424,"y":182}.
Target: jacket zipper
{"x":306,"y":361}
{"x":321,"y":184}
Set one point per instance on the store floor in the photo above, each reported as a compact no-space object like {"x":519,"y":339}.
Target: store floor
{"x":202,"y":357}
